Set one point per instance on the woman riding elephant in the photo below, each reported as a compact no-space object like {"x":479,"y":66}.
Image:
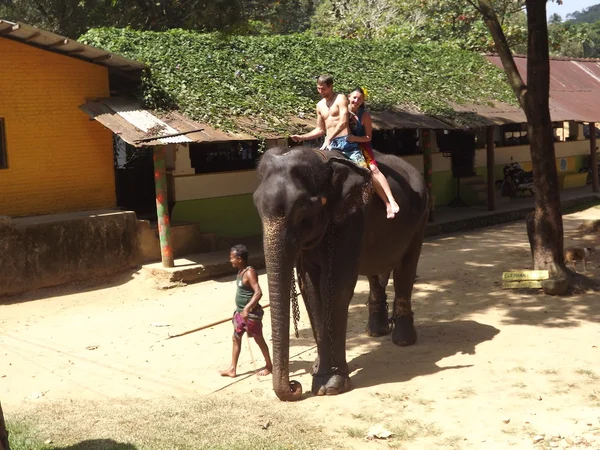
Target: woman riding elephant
{"x":317,"y":215}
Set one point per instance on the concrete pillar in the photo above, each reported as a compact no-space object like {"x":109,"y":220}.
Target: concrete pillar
{"x":594,"y":158}
{"x":162,"y":209}
{"x":491,"y":188}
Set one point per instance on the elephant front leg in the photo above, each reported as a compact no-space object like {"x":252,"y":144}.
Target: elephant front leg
{"x":330,"y":369}
{"x":378,"y":323}
{"x":338,"y":280}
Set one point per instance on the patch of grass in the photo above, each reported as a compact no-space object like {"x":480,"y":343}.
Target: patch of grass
{"x":410,"y":429}
{"x":232,"y":422}
{"x":549,"y":372}
{"x":23,"y":436}
{"x":369,"y":418}
{"x":587,"y":373}
{"x":464,"y":393}
{"x":518,"y":369}
{"x":519,"y":385}
{"x":354,"y":432}
{"x":422,"y":401}
{"x":452,"y":442}
{"x":401,"y":398}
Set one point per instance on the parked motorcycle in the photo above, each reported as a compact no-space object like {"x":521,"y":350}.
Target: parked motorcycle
{"x":516,"y":180}
{"x":588,"y":168}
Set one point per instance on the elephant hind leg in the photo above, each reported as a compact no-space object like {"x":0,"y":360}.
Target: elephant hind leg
{"x":378,"y":324}
{"x":404,"y":332}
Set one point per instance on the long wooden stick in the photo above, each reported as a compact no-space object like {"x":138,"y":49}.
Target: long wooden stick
{"x":204,"y":327}
{"x":252,"y":358}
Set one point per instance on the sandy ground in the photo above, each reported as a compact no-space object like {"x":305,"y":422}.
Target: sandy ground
{"x":492,"y":368}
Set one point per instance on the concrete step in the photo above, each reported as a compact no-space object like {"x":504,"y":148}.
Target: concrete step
{"x":186,"y":239}
{"x":202,"y":266}
{"x":477,"y":179}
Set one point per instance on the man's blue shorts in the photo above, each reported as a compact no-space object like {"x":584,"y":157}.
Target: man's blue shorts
{"x":351,"y":150}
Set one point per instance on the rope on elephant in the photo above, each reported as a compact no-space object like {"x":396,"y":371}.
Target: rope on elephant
{"x":245,"y":377}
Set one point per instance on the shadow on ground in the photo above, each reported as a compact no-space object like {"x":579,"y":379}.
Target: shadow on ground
{"x":98,"y":444}
{"x":74,"y":287}
{"x":459,"y":277}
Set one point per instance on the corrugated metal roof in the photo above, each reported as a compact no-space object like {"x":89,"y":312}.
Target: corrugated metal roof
{"x":46,"y":40}
{"x":574,"y":87}
{"x":404,"y":118}
{"x":140,"y":128}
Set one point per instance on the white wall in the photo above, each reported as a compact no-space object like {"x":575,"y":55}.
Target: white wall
{"x":191,"y":187}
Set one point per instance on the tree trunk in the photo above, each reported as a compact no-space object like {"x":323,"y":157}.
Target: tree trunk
{"x":3,"y":432}
{"x":545,"y":224}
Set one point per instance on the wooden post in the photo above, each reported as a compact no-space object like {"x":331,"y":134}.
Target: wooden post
{"x":162,"y":208}
{"x":428,"y":168}
{"x":491,"y":188}
{"x":594,"y":158}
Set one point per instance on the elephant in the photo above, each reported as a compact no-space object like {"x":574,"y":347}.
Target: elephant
{"x":319,"y":215}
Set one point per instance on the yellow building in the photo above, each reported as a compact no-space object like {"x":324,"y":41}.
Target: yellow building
{"x":52,"y":157}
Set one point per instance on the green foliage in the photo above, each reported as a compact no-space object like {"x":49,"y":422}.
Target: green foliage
{"x":227,"y":80}
{"x":74,"y":17}
{"x":586,"y":15}
{"x":580,"y":40}
{"x":453,"y":22}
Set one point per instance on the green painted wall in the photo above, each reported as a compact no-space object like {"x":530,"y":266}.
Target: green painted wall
{"x":444,"y":187}
{"x":236,"y":216}
{"x":233,"y":216}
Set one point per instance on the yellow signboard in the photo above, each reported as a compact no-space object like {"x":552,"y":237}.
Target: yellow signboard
{"x":531,"y":284}
{"x":522,"y":275}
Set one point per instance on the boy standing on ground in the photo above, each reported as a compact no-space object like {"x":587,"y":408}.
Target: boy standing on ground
{"x":248,"y":314}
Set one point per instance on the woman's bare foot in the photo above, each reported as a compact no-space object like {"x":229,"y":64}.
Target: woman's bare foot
{"x":265,"y":371}
{"x":228,"y":373}
{"x":389,"y":209}
{"x":392,"y":208}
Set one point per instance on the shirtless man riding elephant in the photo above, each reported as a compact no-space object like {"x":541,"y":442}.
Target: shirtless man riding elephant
{"x":333,"y":122}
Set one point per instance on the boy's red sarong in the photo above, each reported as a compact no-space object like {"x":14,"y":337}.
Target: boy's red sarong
{"x":252,"y":324}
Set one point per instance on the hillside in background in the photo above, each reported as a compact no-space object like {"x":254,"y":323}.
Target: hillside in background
{"x":587,"y":15}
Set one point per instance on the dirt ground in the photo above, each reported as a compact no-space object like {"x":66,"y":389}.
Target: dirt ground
{"x":492,"y":368}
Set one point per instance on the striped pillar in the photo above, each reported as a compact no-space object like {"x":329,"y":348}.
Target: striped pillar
{"x":162,"y":206}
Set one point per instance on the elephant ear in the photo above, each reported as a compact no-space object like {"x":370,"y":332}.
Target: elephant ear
{"x":352,"y":188}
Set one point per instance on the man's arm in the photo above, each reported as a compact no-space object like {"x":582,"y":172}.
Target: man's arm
{"x":344,"y":120}
{"x":251,"y":278}
{"x":317,"y":132}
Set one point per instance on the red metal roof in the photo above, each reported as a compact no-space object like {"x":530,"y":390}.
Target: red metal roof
{"x":574,"y":87}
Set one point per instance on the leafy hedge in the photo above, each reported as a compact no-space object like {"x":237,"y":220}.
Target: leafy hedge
{"x":219,"y":79}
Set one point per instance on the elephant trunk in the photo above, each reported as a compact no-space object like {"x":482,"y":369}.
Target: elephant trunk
{"x":279,"y":259}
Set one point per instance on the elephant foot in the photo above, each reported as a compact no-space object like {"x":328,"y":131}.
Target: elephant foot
{"x":378,"y":324}
{"x":404,"y":333}
{"x":330,"y":384}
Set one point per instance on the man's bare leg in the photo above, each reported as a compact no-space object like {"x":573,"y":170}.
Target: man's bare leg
{"x":382,"y":188}
{"x":235,"y":356}
{"x":260,"y":340}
